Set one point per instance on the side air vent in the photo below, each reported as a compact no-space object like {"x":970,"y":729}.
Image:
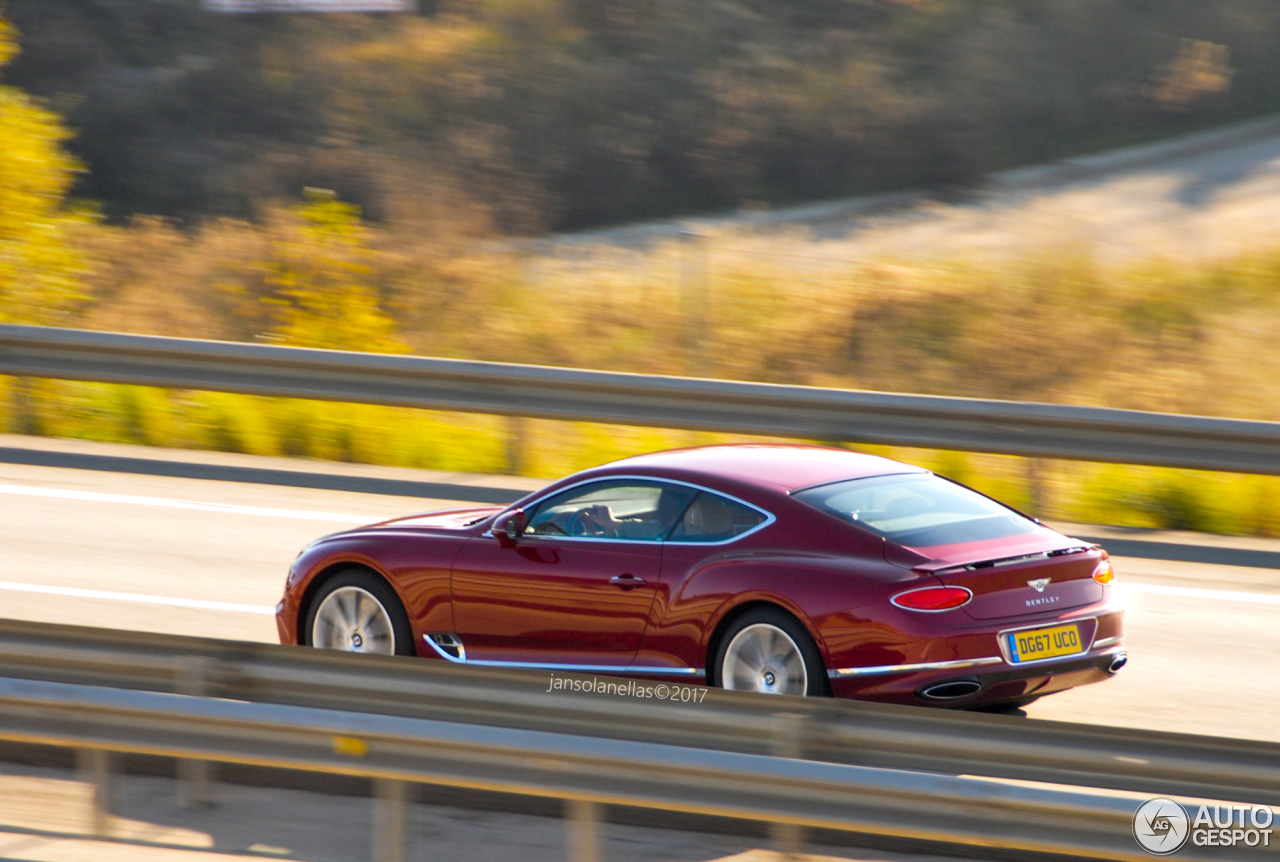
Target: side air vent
{"x":448,"y":644}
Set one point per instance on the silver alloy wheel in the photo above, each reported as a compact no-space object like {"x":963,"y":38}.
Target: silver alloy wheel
{"x":764,"y":658}
{"x":353,"y":620}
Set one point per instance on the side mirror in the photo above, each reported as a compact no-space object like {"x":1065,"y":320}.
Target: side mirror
{"x":509,"y":526}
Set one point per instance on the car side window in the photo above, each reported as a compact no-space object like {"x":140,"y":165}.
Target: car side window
{"x":628,"y":509}
{"x":712,"y":518}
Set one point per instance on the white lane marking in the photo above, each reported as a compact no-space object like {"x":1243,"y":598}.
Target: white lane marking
{"x":78,"y":593}
{"x":1196,"y":593}
{"x":228,"y":508}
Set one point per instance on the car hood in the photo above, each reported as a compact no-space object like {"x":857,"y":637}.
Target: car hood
{"x":444,"y":519}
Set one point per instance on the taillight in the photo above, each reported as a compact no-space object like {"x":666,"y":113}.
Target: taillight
{"x":1103,"y":573}
{"x":933,"y":598}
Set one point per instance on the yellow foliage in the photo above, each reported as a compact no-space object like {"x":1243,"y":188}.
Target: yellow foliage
{"x":40,"y":271}
{"x":318,"y":277}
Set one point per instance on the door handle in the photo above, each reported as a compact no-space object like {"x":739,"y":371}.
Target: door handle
{"x":626,"y":581}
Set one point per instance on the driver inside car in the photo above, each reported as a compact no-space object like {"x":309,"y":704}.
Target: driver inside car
{"x":599,"y":521}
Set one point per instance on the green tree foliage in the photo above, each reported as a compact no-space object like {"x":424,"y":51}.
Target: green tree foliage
{"x":40,"y":271}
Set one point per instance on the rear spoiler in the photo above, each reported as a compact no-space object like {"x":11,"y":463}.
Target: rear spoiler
{"x":940,"y":567}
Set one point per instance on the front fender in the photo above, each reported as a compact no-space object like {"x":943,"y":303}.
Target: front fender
{"x":415,"y":566}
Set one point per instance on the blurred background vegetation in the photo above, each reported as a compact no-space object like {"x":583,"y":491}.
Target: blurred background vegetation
{"x":554,"y":114}
{"x":354,"y":181}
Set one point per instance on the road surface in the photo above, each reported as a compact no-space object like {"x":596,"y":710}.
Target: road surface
{"x":207,"y":557}
{"x":1201,"y":196}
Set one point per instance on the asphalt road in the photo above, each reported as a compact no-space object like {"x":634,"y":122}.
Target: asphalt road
{"x":115,"y":546}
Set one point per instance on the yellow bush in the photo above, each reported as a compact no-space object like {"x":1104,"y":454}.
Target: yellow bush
{"x":40,"y":269}
{"x":319,"y":295}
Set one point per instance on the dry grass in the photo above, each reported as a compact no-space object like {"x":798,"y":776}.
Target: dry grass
{"x":1053,"y":326}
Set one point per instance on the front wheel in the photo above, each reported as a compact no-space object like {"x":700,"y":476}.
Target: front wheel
{"x":356,"y":611}
{"x":770,"y":652}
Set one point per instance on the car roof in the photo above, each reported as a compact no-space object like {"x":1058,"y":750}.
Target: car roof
{"x":775,"y":466}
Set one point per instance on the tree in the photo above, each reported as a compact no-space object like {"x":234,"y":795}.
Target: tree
{"x":40,"y":271}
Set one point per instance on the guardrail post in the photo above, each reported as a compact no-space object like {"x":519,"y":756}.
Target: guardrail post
{"x":94,"y":766}
{"x":23,"y":416}
{"x":390,"y":820}
{"x":197,"y":789}
{"x":583,"y":818}
{"x":1035,"y":488}
{"x":517,"y":431}
{"x":788,"y":741}
{"x":694,"y":305}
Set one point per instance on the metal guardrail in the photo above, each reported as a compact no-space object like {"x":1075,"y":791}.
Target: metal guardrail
{"x":955,"y":810}
{"x":1011,"y":428}
{"x":831,"y":731}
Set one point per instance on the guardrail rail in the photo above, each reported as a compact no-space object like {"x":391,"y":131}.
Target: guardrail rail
{"x":827,"y":730}
{"x":1005,"y":427}
{"x":960,"y":811}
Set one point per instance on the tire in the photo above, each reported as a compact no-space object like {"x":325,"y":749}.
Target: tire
{"x":356,"y":611}
{"x":768,"y":651}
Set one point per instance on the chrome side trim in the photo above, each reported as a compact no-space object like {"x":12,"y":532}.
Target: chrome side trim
{"x":562,"y":668}
{"x":769,"y":517}
{"x":585,"y":668}
{"x":1106,"y":642}
{"x":843,"y":672}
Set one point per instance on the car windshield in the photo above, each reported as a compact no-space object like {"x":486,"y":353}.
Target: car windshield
{"x":918,"y":510}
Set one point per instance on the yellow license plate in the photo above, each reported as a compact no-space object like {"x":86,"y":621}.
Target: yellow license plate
{"x":1036,"y":644}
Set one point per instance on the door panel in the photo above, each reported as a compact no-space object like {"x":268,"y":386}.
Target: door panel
{"x":554,"y":600}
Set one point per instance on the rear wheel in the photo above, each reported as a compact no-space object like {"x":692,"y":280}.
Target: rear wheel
{"x":769,"y":651}
{"x":355,"y":611}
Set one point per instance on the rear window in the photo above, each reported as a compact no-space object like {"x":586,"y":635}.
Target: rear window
{"x":918,"y":510}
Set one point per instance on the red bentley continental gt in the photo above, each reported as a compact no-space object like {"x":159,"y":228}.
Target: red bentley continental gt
{"x":795,"y":570}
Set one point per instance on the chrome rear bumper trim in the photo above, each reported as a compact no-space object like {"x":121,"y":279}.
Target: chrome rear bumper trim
{"x":963,"y":663}
{"x":840,"y":673}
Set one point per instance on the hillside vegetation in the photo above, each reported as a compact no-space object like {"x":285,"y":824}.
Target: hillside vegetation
{"x":1054,"y":325}
{"x":553,"y":114}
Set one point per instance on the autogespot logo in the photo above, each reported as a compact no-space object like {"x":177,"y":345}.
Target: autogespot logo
{"x":1161,"y":826}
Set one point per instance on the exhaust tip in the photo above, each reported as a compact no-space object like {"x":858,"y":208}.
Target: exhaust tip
{"x":1118,"y":662}
{"x":951,"y":689}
